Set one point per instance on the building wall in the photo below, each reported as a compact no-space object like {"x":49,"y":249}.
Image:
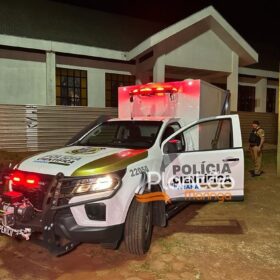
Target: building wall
{"x":22,"y":82}
{"x":206,"y":51}
{"x":261,"y":87}
{"x":268,"y":122}
{"x":96,"y":83}
{"x":261,"y":80}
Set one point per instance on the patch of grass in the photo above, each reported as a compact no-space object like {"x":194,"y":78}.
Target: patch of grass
{"x":142,"y":267}
{"x":172,"y":244}
{"x":268,"y":160}
{"x":166,"y":245}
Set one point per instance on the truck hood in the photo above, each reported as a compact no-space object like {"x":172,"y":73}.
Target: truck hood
{"x":82,"y":161}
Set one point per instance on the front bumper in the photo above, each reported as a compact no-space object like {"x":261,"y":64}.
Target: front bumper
{"x":56,"y":223}
{"x":66,"y":227}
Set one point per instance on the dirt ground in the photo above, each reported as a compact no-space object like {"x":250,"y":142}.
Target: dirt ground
{"x":233,"y":240}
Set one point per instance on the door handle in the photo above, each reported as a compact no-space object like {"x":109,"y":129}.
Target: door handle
{"x":230,"y":159}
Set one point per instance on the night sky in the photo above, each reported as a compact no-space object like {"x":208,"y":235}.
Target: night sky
{"x":256,"y":21}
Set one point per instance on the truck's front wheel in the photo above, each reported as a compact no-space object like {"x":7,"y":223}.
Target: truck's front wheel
{"x":138,"y":228}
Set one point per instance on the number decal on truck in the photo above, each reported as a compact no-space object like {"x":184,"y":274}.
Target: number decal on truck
{"x":139,"y":170}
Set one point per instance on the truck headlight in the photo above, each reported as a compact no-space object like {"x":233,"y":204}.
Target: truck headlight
{"x":97,"y":184}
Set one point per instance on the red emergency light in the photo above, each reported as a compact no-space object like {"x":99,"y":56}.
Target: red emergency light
{"x":154,"y":89}
{"x":19,"y":178}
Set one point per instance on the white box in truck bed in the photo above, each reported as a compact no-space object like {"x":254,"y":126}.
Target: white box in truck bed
{"x":188,"y":100}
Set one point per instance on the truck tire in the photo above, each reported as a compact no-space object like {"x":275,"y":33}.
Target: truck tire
{"x":138,"y":228}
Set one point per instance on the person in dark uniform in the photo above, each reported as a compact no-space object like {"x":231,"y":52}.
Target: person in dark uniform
{"x":256,"y":142}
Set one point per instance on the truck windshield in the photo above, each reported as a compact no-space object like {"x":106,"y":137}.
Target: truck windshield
{"x":123,"y":134}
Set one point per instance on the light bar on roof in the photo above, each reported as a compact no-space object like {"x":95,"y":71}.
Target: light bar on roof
{"x":153,"y":89}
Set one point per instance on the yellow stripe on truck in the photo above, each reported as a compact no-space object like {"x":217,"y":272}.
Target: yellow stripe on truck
{"x":115,"y":162}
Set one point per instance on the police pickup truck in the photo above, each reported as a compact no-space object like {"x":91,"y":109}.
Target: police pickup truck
{"x":172,"y":144}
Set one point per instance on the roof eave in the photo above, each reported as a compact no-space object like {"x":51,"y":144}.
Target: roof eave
{"x":211,"y":19}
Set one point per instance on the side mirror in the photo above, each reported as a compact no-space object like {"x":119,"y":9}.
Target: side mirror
{"x":173,"y":146}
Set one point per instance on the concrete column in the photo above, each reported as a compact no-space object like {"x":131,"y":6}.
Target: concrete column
{"x":50,"y":79}
{"x":142,"y":78}
{"x":159,"y":69}
{"x":261,"y":92}
{"x":96,"y":88}
{"x":278,"y":142}
{"x":232,"y":82}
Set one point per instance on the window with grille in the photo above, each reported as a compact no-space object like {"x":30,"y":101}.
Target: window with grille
{"x":246,"y":98}
{"x":71,"y":87}
{"x":113,"y":82}
{"x":270,"y":100}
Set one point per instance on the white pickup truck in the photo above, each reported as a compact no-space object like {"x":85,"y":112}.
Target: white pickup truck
{"x":172,"y":144}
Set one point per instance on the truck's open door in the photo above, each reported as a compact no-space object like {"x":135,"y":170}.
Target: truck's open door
{"x":205,"y":161}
